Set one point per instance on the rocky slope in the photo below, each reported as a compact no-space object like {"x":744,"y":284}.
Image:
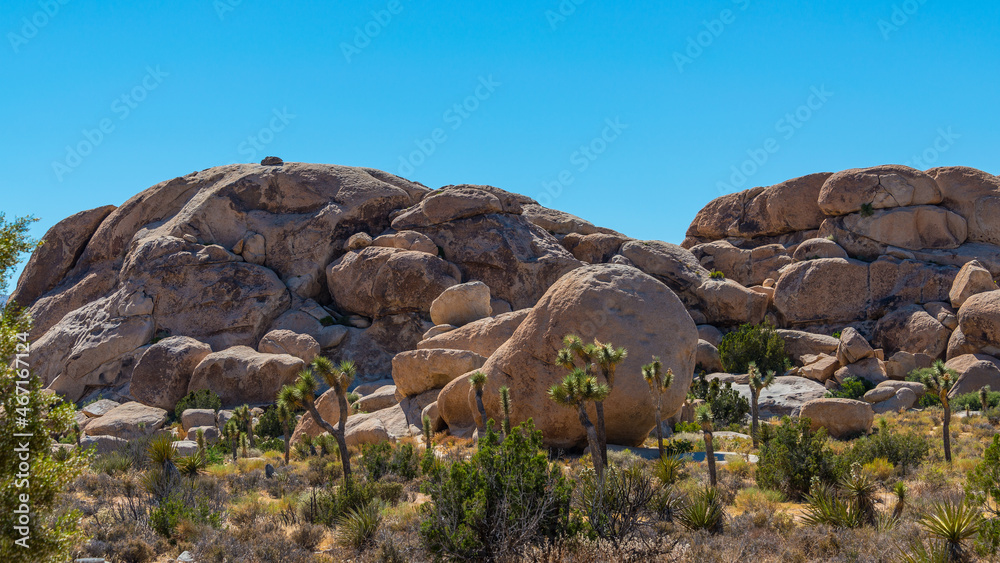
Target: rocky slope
{"x":234,"y":277}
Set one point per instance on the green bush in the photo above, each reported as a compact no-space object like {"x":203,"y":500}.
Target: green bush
{"x":328,"y":505}
{"x":678,"y":447}
{"x":971,"y":401}
{"x":758,"y":344}
{"x":728,"y":406}
{"x":271,"y":445}
{"x":165,"y":517}
{"x":687,"y":427}
{"x":201,"y":399}
{"x":982,"y":488}
{"x":928,"y":399}
{"x":381,"y":459}
{"x":791,"y":455}
{"x":268,"y":425}
{"x":717,"y":275}
{"x":851,"y":388}
{"x":905,"y":450}
{"x":505,"y":498}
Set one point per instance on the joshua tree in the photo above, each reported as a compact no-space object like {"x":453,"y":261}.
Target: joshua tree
{"x":658,"y":382}
{"x":200,"y":437}
{"x":704,"y":418}
{"x":984,"y":399}
{"x":758,"y":383}
{"x":940,"y":380}
{"x":478,"y":381}
{"x":505,"y":406}
{"x":428,"y":435}
{"x":245,"y":419}
{"x":338,"y":377}
{"x":286,"y":405}
{"x":231,"y":432}
{"x":576,"y":390}
{"x":607,"y":357}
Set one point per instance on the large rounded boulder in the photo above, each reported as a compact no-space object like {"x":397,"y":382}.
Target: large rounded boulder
{"x":610,"y":303}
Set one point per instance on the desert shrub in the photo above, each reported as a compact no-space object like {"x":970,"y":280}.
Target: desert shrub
{"x":389,"y":492}
{"x":928,"y":399}
{"x":268,"y":425}
{"x":687,"y":427}
{"x":678,"y":446}
{"x":165,"y":517}
{"x":308,"y":535}
{"x":904,"y":450}
{"x":791,"y":455}
{"x":982,"y":488}
{"x":383,"y":458}
{"x":503,"y":499}
{"x":326,"y":506}
{"x":851,"y":388}
{"x":271,"y":445}
{"x":112,"y":463}
{"x":201,"y":399}
{"x":704,"y":511}
{"x":754,"y":344}
{"x":970,"y":401}
{"x":619,"y":508}
{"x":728,"y":406}
{"x":669,"y":469}
{"x":717,"y":275}
{"x":752,"y":498}
{"x":357,"y":527}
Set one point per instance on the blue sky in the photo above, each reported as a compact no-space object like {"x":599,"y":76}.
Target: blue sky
{"x":632,"y":115}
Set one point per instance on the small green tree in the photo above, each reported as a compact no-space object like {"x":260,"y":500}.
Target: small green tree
{"x":758,"y":383}
{"x":704,"y":418}
{"x":607,"y":358}
{"x":754,"y":344}
{"x":244,"y":418}
{"x":939,"y":379}
{"x":505,"y":407}
{"x":659,"y":382}
{"x":792,"y":455}
{"x":575,"y":391}
{"x":338,"y":377}
{"x":286,"y":406}
{"x":478,"y":381}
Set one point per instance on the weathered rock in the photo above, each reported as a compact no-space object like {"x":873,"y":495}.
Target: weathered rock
{"x":785,"y":396}
{"x":747,"y":267}
{"x":611,"y":303}
{"x":482,"y":337}
{"x":894,"y":283}
{"x":979,"y":321}
{"x":827,"y":290}
{"x":407,"y":240}
{"x":959,"y":346}
{"x":917,"y":388}
{"x":358,"y":241}
{"x":185,"y":448}
{"x":853,"y":347}
{"x":842,"y":418}
{"x":782,"y":208}
{"x":416,"y":371}
{"x":379,"y":426}
{"x":943,"y":313}
{"x":128,"y":421}
{"x":595,"y":248}
{"x":211,"y":433}
{"x":454,"y":406}
{"x":327,"y":406}
{"x":301,"y":346}
{"x":242,"y":375}
{"x":973,"y":278}
{"x":900,"y":364}
{"x":882,"y":187}
{"x":61,"y":247}
{"x":870,"y":369}
{"x":974,"y":372}
{"x":98,"y":408}
{"x":438,"y":330}
{"x":163,"y":373}
{"x":370,"y":387}
{"x":378,"y":281}
{"x":372,"y":349}
{"x":461,"y":304}
{"x":722,"y":301}
{"x":708,"y":357}
{"x":102,"y":444}
{"x":799,"y":344}
{"x":975,"y":195}
{"x":710,"y":334}
{"x":192,"y":418}
{"x":912,"y":228}
{"x":911,"y":329}
{"x":879,"y":394}
{"x":382,"y":398}
{"x":902,"y":400}
{"x":815,"y":248}
{"x":431,"y":413}
{"x":821,"y":369}
{"x":559,"y":222}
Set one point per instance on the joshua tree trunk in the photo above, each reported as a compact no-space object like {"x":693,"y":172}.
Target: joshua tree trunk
{"x":754,"y":415}
{"x":659,"y":428}
{"x":481,"y":427}
{"x":236,"y":444}
{"x":947,"y":430}
{"x":602,"y":435}
{"x":341,"y":433}
{"x":710,"y":457}
{"x":250,"y":429}
{"x":288,"y":439}
{"x":595,"y":447}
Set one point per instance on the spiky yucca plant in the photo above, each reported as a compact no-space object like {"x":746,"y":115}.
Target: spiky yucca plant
{"x":505,"y":408}
{"x":245,"y":418}
{"x":428,"y":433}
{"x":939,"y":380}
{"x":478,"y":382}
{"x":704,"y":512}
{"x":357,"y":527}
{"x":575,"y":391}
{"x":758,"y":382}
{"x":658,"y":382}
{"x":953,"y":523}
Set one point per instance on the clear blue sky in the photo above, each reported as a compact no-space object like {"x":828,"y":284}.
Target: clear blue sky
{"x":694,"y":89}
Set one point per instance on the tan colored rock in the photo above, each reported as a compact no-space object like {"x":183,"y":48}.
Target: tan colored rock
{"x":917,"y":388}
{"x":975,"y":195}
{"x":301,"y":346}
{"x":799,"y":344}
{"x":358,"y":241}
{"x":128,"y":421}
{"x":883,"y":187}
{"x":595,"y":248}
{"x":195,"y":418}
{"x":407,"y":240}
{"x":870,"y":369}
{"x":461,"y":304}
{"x":879,"y":394}
{"x":828,"y":290}
{"x":974,"y":372}
{"x":818,"y":248}
{"x":610,"y":303}
{"x":959,"y":346}
{"x":782,"y":208}
{"x":99,"y":408}
{"x":894,"y":283}
{"x":328,"y":408}
{"x":61,"y":246}
{"x":708,"y":357}
{"x":710,"y":334}
{"x":102,"y":444}
{"x":560,"y":222}
{"x":842,"y":418}
{"x":431,"y":413}
{"x":382,"y":398}
{"x":482,"y":337}
{"x":438,"y":330}
{"x":853,"y":347}
{"x":821,"y":369}
{"x":416,"y":371}
{"x":911,"y":329}
{"x":456,"y":202}
{"x":211,"y":434}
{"x":500,"y":306}
{"x":943,"y":313}
{"x":912,"y":228}
{"x":979,"y":320}
{"x":900,"y":364}
{"x":973,"y":278}
{"x":242,"y":375}
{"x":454,"y":406}
{"x":163,"y":372}
{"x":378,"y":281}
{"x":903,"y":399}
{"x":745,"y":266}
